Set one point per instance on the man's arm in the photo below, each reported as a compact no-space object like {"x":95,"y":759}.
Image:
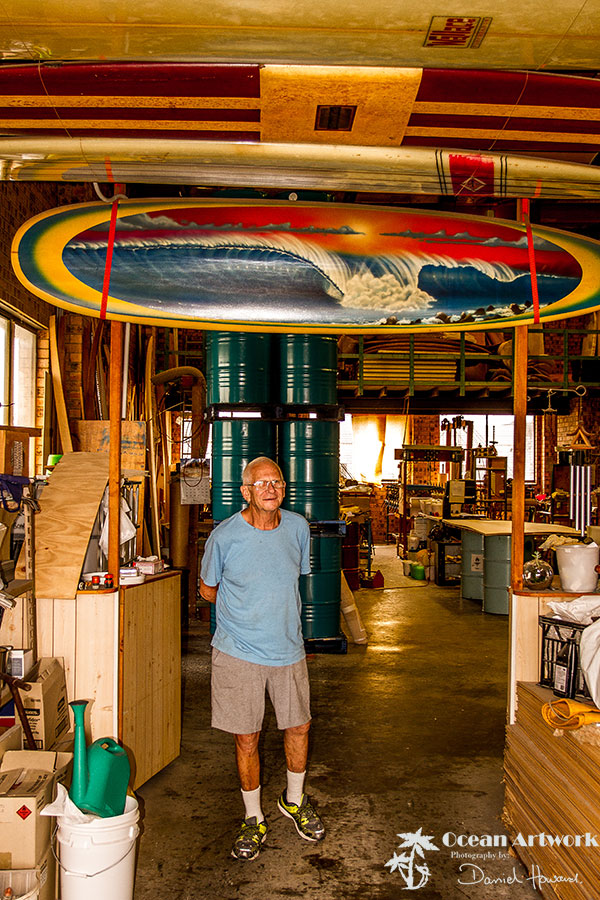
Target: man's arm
{"x":207,"y":592}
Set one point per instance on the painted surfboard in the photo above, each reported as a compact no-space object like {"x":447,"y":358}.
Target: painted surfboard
{"x":551,"y":35}
{"x":302,"y":267}
{"x":299,"y":167}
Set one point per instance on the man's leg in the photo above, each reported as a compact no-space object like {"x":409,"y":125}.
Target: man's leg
{"x":254,"y":828}
{"x":295,"y":742}
{"x":248,"y":762}
{"x":294,"y":803}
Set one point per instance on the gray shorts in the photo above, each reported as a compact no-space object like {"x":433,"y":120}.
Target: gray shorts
{"x":238,"y":694}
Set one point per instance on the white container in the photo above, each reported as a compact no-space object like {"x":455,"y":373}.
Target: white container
{"x":23,"y":882}
{"x":413,"y":540}
{"x":576,"y":567}
{"x":97,"y":859}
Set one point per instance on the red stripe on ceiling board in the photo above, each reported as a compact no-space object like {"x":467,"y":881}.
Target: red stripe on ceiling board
{"x":470,"y":86}
{"x":471,"y":175}
{"x":135,"y":115}
{"x":514,"y":123}
{"x":138,"y":133}
{"x":526,"y":146}
{"x":483,"y":86}
{"x":131,"y":80}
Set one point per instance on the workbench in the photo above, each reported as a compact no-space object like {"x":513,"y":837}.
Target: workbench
{"x":490,"y":580}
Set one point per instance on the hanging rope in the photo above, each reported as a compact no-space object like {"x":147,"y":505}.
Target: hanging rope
{"x":111,"y":241}
{"x":532,"y":269}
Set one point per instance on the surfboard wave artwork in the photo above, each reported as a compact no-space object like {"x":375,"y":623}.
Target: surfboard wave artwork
{"x":294,"y":266}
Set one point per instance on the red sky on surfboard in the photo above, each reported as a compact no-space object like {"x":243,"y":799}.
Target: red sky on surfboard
{"x":374,"y":232}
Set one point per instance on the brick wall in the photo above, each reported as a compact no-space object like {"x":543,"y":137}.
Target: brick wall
{"x":43,"y":369}
{"x":378,"y":511}
{"x":72,"y":351}
{"x":19,"y":202}
{"x":425,"y":430}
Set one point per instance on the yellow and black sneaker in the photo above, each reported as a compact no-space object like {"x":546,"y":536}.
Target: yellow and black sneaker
{"x":249,"y":839}
{"x":307,"y":821}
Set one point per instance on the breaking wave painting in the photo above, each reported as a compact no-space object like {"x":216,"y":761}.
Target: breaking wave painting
{"x":330,"y":265}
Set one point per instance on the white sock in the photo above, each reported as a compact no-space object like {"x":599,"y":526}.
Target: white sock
{"x":252,"y":804}
{"x":295,"y":786}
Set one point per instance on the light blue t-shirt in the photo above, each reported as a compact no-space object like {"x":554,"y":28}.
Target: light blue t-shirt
{"x":258,"y":600}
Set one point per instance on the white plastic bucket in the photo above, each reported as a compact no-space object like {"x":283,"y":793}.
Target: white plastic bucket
{"x":576,"y":567}
{"x":97,"y":859}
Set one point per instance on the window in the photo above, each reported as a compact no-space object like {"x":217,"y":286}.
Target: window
{"x":4,"y":371}
{"x":497,"y":431}
{"x":23,"y":377}
{"x":17,"y":374}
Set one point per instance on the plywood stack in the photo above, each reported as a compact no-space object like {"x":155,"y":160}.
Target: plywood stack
{"x":552,"y":788}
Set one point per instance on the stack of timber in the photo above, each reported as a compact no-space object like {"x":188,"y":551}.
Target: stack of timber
{"x":435,"y":358}
{"x":552,"y":787}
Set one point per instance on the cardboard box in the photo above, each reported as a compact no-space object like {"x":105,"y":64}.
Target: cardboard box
{"x":150,"y":566}
{"x":27,"y":782}
{"x":10,"y":739}
{"x":43,"y":876}
{"x":46,"y":703}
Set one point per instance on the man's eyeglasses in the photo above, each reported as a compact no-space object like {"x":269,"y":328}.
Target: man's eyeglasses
{"x":276,"y":483}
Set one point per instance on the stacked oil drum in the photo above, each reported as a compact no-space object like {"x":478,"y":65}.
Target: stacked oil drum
{"x":275,"y":395}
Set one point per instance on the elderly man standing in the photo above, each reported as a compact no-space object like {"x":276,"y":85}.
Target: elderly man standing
{"x":251,"y":567}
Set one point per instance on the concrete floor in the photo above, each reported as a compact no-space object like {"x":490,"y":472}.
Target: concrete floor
{"x":408,"y":734}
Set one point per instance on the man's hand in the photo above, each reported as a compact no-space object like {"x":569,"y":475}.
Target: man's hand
{"x":207,"y":592}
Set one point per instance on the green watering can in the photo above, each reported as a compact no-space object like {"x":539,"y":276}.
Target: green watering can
{"x":100,"y":772}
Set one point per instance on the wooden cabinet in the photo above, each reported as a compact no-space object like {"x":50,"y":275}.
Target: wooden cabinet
{"x":551,"y":778}
{"x":137,"y":697}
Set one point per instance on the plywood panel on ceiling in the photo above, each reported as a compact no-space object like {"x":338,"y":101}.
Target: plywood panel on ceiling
{"x":383,"y":98}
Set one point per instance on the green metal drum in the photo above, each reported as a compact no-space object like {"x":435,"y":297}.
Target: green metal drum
{"x":234,"y":443}
{"x":497,"y":571}
{"x":496,"y":577}
{"x":309,"y":459}
{"x":320,"y":591}
{"x":307,"y":369}
{"x":471,"y":569}
{"x":238,"y":367}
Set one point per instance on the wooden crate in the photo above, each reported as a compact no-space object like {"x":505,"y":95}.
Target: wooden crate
{"x":14,"y":451}
{"x":94,"y":436}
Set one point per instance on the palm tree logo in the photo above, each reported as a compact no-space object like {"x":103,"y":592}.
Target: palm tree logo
{"x":407,"y":864}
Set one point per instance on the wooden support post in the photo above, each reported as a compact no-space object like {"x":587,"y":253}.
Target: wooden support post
{"x":518,"y":483}
{"x":114,"y":491}
{"x":57,"y":385}
{"x":152,"y":464}
{"x":196,"y":450}
{"x":114,"y":459}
